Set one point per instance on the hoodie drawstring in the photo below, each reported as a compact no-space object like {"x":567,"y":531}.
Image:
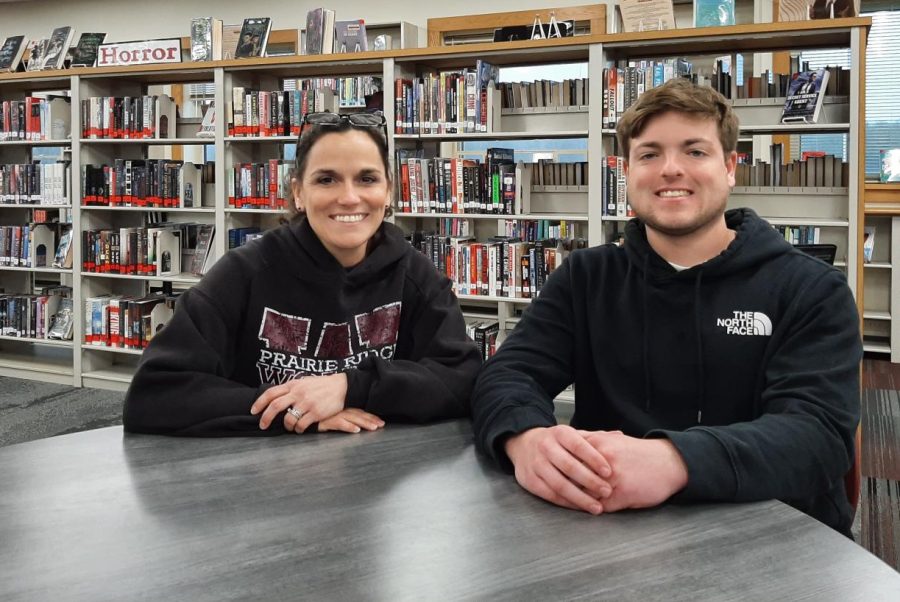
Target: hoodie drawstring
{"x":702,"y":389}
{"x":646,"y":336}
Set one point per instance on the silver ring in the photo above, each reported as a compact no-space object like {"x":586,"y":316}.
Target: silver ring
{"x":295,"y":413}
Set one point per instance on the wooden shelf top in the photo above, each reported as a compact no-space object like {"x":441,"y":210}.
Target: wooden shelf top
{"x":707,"y":40}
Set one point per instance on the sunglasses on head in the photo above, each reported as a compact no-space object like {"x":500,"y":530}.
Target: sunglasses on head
{"x":357,"y":120}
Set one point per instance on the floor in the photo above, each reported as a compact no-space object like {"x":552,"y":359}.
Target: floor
{"x":879,"y":508}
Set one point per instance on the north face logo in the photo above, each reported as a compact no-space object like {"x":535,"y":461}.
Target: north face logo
{"x":747,"y":323}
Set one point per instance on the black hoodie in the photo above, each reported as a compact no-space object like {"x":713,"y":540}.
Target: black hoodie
{"x":282,"y":307}
{"x":748,"y":363}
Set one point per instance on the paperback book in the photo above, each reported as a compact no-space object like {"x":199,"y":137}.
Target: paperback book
{"x":647,"y":15}
{"x":890,"y":165}
{"x":85,"y":53}
{"x":58,"y":47}
{"x":254,"y":37}
{"x":806,"y":92}
{"x":351,"y":36}
{"x":36,"y":57}
{"x":11,"y":52}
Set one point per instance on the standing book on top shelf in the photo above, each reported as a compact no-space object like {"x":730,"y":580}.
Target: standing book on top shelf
{"x":36,"y":58}
{"x":12,"y":51}
{"x":351,"y":36}
{"x":206,"y":39}
{"x":254,"y":37}
{"x":87,"y":48}
{"x":713,"y":13}
{"x":231,"y":34}
{"x":805,"y":95}
{"x":319,"y":31}
{"x":58,"y":47}
{"x":647,"y":15}
{"x":890,"y":165}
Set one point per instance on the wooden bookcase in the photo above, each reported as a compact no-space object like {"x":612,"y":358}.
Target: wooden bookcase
{"x":86,"y":365}
{"x":881,"y":299}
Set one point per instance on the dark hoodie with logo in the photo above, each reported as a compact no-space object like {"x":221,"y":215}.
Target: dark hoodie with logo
{"x":281,"y":308}
{"x":748,"y":363}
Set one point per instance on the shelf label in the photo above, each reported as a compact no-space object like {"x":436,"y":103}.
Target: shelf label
{"x":143,"y":52}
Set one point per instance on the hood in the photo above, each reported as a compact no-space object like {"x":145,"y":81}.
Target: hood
{"x":302,"y":247}
{"x":755,"y":242}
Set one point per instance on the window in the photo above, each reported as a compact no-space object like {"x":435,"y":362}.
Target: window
{"x":882,"y":115}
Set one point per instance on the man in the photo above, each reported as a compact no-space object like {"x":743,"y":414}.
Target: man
{"x":712,"y":361}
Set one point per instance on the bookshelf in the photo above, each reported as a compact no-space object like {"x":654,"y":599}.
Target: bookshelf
{"x":881,"y":300}
{"x":836,"y":211}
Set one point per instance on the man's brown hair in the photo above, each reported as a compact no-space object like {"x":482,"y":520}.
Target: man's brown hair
{"x":682,"y":96}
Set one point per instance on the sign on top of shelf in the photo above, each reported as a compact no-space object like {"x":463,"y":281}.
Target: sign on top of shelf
{"x":144,"y":52}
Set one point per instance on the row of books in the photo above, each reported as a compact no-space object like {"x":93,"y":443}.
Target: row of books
{"x":238,"y":237}
{"x":274,"y":113}
{"x":498,"y":267}
{"x":128,"y":117}
{"x":352,"y":91}
{"x":213,"y":40}
{"x":125,"y":322}
{"x":34,"y":118}
{"x":544,"y":94}
{"x":542,"y":229}
{"x":259,"y":185}
{"x":614,"y":194}
{"x":37,"y":316}
{"x":166,"y":183}
{"x":35,"y":246}
{"x":800,"y":235}
{"x":448,"y":102}
{"x":35,"y":183}
{"x":623,"y":84}
{"x":824,"y":170}
{"x":553,"y":173}
{"x":443,"y":185}
{"x":166,"y":249}
{"x":51,"y":52}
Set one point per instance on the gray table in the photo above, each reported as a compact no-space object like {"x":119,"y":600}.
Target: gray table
{"x":408,"y":513}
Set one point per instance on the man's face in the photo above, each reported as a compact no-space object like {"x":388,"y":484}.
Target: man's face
{"x":679,"y":178}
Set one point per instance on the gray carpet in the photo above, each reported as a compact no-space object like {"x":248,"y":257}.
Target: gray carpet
{"x":34,"y":410}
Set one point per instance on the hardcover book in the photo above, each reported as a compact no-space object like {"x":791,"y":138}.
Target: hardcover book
{"x":806,"y":92}
{"x":351,"y":35}
{"x":12,"y":51}
{"x":58,"y":47}
{"x":85,"y":53}
{"x":206,"y":39}
{"x":254,"y":37}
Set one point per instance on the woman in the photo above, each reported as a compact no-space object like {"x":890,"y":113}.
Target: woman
{"x":333,"y":319}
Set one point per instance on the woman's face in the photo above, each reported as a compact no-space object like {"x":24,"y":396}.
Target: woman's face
{"x":344,"y":192}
